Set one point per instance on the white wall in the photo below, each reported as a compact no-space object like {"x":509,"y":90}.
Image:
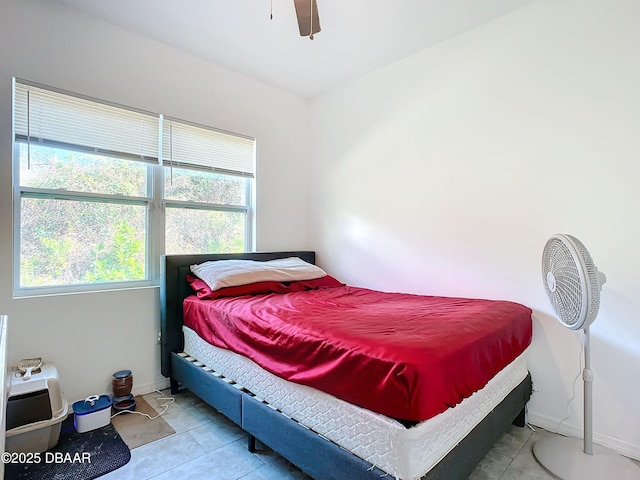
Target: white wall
{"x":90,"y":336}
{"x":445,"y":173}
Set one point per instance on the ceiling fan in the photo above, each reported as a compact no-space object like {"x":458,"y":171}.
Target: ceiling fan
{"x":307,"y":14}
{"x":308,"y":20}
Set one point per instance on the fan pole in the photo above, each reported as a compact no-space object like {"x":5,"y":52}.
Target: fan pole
{"x":587,"y":376}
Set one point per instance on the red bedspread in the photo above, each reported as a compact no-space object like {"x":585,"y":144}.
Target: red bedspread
{"x":406,"y":356}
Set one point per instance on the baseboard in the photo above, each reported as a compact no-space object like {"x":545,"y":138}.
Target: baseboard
{"x":138,"y":389}
{"x":150,"y":387}
{"x":159,"y":384}
{"x":623,"y":448}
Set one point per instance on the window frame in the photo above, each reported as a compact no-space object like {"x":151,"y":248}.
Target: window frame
{"x":217,"y":207}
{"x":155,"y":206}
{"x":20,"y":192}
{"x":244,"y":171}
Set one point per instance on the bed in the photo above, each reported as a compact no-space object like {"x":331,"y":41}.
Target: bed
{"x":294,"y":423}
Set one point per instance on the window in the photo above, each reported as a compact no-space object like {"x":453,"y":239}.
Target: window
{"x":207,"y":188}
{"x":101,"y":190}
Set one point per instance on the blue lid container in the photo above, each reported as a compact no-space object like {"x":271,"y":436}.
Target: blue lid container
{"x":91,"y":404}
{"x":91,"y":413}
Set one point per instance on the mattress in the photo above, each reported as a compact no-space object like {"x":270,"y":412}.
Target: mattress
{"x":402,"y":355}
{"x":404,"y":453}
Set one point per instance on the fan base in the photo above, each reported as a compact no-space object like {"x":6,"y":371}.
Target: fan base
{"x":564,"y":457}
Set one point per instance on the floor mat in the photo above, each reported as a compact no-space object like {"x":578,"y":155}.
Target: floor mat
{"x":137,"y":430}
{"x":78,"y":456}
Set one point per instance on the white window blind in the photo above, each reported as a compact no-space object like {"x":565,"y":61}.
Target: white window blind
{"x":50,"y":117}
{"x":191,"y":146}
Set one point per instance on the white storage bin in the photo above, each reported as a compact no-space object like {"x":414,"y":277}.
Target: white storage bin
{"x":36,"y":409}
{"x":91,"y":413}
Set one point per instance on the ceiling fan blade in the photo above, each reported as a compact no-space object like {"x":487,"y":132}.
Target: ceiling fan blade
{"x":306,"y":11}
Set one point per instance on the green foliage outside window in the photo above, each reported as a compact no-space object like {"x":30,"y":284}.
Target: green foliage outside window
{"x":70,"y":240}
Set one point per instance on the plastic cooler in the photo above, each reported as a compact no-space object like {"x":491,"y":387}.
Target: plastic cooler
{"x":35,"y":410}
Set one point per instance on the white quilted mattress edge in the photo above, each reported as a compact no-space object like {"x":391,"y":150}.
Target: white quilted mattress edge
{"x":404,"y":453}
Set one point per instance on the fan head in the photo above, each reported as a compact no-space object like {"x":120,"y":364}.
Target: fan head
{"x":571,"y":281}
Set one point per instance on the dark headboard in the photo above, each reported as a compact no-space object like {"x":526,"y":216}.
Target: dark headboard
{"x":174,"y":289}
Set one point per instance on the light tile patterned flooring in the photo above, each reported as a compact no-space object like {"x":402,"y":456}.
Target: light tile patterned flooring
{"x":206,"y":445}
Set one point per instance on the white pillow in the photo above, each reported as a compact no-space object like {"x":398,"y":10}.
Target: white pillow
{"x":231,"y":273}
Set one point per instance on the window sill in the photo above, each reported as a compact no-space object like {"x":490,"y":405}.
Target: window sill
{"x":23,"y":294}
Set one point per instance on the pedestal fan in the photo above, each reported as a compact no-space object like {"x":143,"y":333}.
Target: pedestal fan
{"x":573,"y":284}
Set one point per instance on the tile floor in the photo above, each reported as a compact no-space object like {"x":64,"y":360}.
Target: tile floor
{"x":208,"y":446}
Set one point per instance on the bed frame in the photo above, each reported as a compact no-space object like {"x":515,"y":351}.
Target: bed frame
{"x":316,"y":456}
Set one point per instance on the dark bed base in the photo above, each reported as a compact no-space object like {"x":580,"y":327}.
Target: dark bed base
{"x":316,"y":456}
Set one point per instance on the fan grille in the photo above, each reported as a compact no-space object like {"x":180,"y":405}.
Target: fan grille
{"x":593,"y":282}
{"x":571,"y":281}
